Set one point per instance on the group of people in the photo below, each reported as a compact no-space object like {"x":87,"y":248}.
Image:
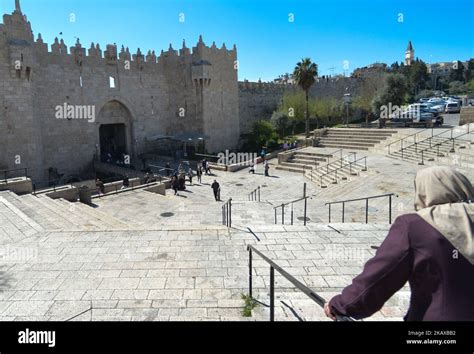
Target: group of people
{"x":287,"y":145}
{"x":266,"y":167}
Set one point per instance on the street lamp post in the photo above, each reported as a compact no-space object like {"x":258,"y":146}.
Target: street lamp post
{"x":347,"y":102}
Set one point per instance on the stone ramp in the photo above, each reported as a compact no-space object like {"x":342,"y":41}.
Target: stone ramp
{"x":14,"y":224}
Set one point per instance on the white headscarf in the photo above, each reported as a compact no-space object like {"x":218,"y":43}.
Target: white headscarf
{"x":443,"y":198}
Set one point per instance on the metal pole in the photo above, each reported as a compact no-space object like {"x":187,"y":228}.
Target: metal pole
{"x":259,"y":194}
{"x":272,"y":294}
{"x":390,"y":209}
{"x":329,"y":205}
{"x":275,"y":216}
{"x":283,"y":214}
{"x":230,"y":212}
{"x":367,"y":211}
{"x":250,"y":272}
{"x":343,"y":207}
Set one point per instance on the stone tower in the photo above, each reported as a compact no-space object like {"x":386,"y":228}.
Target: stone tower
{"x":409,"y":54}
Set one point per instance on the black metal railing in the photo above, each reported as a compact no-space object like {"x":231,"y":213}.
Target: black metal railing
{"x":344,"y":202}
{"x":334,"y":172}
{"x":284,"y":205}
{"x":255,"y":195}
{"x":48,"y":185}
{"x":10,"y":173}
{"x":299,"y":285}
{"x":415,"y":145}
{"x":227,"y":213}
{"x":407,"y":137}
{"x":336,"y":161}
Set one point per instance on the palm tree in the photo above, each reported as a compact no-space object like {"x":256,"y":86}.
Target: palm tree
{"x":305,"y":74}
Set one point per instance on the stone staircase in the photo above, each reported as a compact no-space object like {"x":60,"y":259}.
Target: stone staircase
{"x":354,"y":139}
{"x":303,"y":160}
{"x":60,"y":214}
{"x":432,"y":151}
{"x":335,"y":174}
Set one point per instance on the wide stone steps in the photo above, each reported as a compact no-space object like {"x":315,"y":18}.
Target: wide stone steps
{"x":322,"y":178}
{"x":43,"y":216}
{"x":347,"y":146}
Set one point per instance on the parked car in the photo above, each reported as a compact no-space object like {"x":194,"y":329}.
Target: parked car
{"x":453,"y":107}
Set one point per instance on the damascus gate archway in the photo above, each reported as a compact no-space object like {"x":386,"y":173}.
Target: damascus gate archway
{"x":115,"y":131}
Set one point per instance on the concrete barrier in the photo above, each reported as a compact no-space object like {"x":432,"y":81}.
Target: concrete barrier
{"x":157,"y":188}
{"x":19,"y":185}
{"x":467,"y":115}
{"x":70,"y":194}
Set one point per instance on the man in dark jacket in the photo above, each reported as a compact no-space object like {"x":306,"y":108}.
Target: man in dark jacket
{"x":217,"y":190}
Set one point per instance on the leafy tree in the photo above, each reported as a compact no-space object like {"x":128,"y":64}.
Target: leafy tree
{"x":305,"y":74}
{"x":469,"y":73}
{"x":456,"y":87}
{"x":263,"y":132}
{"x":457,"y":72}
{"x":293,"y":105}
{"x":394,"y":92}
{"x":280,"y":122}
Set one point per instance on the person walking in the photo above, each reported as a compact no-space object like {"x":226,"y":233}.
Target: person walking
{"x":174,"y":184}
{"x":267,"y":167}
{"x":199,"y":173}
{"x":431,"y":249}
{"x":217,"y":190}
{"x":190,"y":175}
{"x":252,"y":168}
{"x":168,"y":169}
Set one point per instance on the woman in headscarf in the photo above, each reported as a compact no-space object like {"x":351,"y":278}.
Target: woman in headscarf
{"x":432,"y":249}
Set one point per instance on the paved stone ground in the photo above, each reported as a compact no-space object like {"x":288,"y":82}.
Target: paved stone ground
{"x":186,"y":266}
{"x":182,"y":275}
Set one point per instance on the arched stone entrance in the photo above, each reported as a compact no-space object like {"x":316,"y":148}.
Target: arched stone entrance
{"x":115,"y":131}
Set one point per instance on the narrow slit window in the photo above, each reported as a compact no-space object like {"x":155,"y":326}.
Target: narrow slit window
{"x":80,"y":81}
{"x":112,"y":82}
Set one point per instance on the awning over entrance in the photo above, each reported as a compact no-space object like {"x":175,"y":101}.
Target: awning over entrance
{"x":184,"y":137}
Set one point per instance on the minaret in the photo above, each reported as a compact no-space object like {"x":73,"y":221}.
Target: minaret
{"x":409,"y":54}
{"x":17,"y":6}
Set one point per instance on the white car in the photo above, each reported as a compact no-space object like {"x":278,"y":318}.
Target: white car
{"x":453,"y":107}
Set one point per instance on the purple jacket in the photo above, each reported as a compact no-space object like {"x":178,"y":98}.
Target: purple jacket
{"x":440,"y":278}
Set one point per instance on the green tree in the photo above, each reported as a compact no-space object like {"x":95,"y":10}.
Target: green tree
{"x":263,"y":132}
{"x":280,"y":122}
{"x":457,"y":87}
{"x":305,"y":74}
{"x":293,"y":105}
{"x":394,"y":92}
{"x":457,"y":72}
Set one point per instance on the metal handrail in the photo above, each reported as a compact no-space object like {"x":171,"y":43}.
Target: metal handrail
{"x":227,"y":213}
{"x":446,"y":139}
{"x":340,"y":159}
{"x":429,"y":138}
{"x":255,"y":195}
{"x":408,"y":136}
{"x":342,"y":167}
{"x":299,"y":285}
{"x":5,"y":172}
{"x":283,"y":205}
{"x":343,"y":202}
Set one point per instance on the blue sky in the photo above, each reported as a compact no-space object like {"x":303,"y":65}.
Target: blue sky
{"x":268,"y":44}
